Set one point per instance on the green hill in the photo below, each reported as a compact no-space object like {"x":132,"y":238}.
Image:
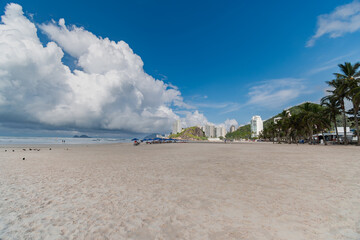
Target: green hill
{"x":242,"y":132}
{"x":191,"y":133}
{"x":296,"y":109}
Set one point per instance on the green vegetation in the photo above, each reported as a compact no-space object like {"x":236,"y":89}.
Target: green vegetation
{"x":346,"y":86}
{"x":243,"y":132}
{"x":301,"y":122}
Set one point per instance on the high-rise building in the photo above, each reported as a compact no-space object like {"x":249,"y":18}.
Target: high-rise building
{"x":210,"y":131}
{"x":220,"y":132}
{"x":232,"y":128}
{"x":256,"y":126}
{"x":176,"y":127}
{"x":224,"y":132}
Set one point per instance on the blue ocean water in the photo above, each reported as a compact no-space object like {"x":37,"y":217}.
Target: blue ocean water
{"x":58,"y":140}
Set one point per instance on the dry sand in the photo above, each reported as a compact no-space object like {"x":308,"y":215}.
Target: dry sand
{"x":181,"y":191}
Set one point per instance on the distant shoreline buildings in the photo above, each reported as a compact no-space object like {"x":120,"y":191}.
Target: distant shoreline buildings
{"x":256,"y":126}
{"x":212,"y":131}
{"x":176,"y":127}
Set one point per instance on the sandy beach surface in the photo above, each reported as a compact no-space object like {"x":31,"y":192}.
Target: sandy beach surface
{"x":180,"y":191}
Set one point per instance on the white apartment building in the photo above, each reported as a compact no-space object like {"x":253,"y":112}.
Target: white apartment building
{"x":224,"y":132}
{"x":176,"y":127}
{"x":256,"y":126}
{"x":210,"y":131}
{"x":232,"y":128}
{"x":220,"y":132}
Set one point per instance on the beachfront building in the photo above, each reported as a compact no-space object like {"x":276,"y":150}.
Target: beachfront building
{"x":288,"y":114}
{"x":232,"y":128}
{"x":210,"y":131}
{"x":277,"y":119}
{"x":331,"y":136}
{"x":220,"y":132}
{"x":176,"y":127}
{"x":256,"y":126}
{"x":224,"y":132}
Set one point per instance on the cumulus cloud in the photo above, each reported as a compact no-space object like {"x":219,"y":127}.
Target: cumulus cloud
{"x":275,"y":93}
{"x":344,"y":19}
{"x":198,"y":119}
{"x":110,"y":90}
{"x":194,"y":119}
{"x":229,"y":122}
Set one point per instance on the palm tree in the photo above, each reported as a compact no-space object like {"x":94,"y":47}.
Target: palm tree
{"x":340,"y":92}
{"x":332,"y":106}
{"x":323,"y":122}
{"x":297,"y":127}
{"x":271,"y":129}
{"x":354,"y":95}
{"x":349,"y":79}
{"x":309,"y":113}
{"x":349,"y":72}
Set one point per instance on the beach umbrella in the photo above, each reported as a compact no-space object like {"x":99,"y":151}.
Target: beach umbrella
{"x":134,"y":139}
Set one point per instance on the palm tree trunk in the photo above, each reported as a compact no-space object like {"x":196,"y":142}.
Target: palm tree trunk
{"x":344,"y":120}
{"x":279,"y":138}
{"x":336,"y":130}
{"x":288,"y":137}
{"x":325,"y":142}
{"x":310,"y":134}
{"x":356,"y":110}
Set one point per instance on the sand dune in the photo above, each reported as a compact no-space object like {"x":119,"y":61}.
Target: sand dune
{"x":180,"y":191}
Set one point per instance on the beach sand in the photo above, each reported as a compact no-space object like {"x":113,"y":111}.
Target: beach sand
{"x":180,"y":191}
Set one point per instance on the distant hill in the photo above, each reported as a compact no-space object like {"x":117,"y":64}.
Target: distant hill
{"x":191,"y":133}
{"x":81,"y":136}
{"x":296,"y":109}
{"x":244,"y":132}
{"x":293,"y":110}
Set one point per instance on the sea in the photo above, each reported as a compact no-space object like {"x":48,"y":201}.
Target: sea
{"x":58,"y":140}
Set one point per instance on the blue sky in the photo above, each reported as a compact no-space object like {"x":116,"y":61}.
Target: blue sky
{"x":229,"y":59}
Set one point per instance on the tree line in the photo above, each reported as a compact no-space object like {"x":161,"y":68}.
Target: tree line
{"x":313,"y":118}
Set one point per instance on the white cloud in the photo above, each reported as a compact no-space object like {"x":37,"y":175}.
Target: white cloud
{"x":320,"y":69}
{"x":228,"y":123}
{"x":194,"y":119}
{"x":198,"y":119}
{"x":275,"y":93}
{"x":112,"y":91}
{"x":344,"y":19}
{"x":109,"y":90}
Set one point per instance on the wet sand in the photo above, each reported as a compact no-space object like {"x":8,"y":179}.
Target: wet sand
{"x":180,"y":191}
